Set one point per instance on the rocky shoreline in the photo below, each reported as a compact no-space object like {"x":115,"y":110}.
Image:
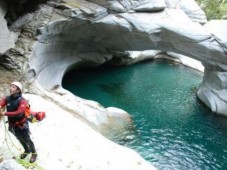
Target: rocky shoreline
{"x":39,"y":47}
{"x":61,"y":139}
{"x":65,"y":142}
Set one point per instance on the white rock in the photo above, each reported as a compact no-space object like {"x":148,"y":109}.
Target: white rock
{"x":190,"y":7}
{"x":168,"y":31}
{"x":219,"y":31}
{"x":11,"y":165}
{"x":188,"y":61}
{"x":154,"y":5}
{"x":64,"y":142}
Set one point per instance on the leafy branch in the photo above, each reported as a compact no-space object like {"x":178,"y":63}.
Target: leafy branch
{"x":214,"y":9}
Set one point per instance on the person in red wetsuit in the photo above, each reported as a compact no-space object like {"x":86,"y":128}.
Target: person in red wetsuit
{"x":18,"y":125}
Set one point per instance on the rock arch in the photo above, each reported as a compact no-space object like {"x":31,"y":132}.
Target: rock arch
{"x":89,"y":40}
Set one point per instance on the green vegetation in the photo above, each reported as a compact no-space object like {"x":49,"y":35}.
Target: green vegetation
{"x":28,"y":165}
{"x":72,"y":4}
{"x":214,"y":9}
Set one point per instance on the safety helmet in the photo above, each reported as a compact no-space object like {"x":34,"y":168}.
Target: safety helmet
{"x":18,"y":84}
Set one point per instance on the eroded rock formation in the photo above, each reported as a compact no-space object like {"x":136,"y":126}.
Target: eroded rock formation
{"x":87,"y":35}
{"x":62,"y":35}
{"x":41,"y":46}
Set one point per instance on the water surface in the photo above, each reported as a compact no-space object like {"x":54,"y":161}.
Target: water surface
{"x":174,"y":130}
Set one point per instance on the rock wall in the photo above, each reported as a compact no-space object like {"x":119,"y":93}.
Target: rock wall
{"x":41,"y":46}
{"x":88,"y":35}
{"x":62,"y":35}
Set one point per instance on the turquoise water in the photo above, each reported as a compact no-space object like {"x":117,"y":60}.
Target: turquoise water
{"x":174,"y":130}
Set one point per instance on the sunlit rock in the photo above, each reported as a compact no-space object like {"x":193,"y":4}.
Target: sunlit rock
{"x":78,"y":42}
{"x":151,"y":6}
{"x":190,"y":7}
{"x":213,"y":89}
{"x":11,"y":165}
{"x":188,"y":61}
{"x":64,"y":142}
{"x":219,"y":31}
{"x":129,"y":6}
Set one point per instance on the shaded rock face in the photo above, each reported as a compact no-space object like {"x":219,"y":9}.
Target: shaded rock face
{"x":77,"y":33}
{"x":17,"y":8}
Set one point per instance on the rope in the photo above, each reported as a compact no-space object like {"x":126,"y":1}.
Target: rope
{"x":7,"y":134}
{"x":22,"y":162}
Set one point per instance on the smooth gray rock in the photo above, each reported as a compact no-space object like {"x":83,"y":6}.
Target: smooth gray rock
{"x":84,"y":34}
{"x":151,"y":6}
{"x":190,"y":7}
{"x":213,"y":89}
{"x":6,"y":37}
{"x":11,"y":165}
{"x":84,"y":10}
{"x":65,"y":43}
{"x":218,"y":29}
{"x":131,"y":5}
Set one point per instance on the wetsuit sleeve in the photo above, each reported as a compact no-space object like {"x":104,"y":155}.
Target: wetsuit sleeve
{"x":21,"y":109}
{"x":3,"y":102}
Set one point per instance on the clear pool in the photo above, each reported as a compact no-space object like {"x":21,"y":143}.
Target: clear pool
{"x":174,"y":130}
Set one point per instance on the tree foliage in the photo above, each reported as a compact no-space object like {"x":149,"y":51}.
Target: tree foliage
{"x":214,"y":9}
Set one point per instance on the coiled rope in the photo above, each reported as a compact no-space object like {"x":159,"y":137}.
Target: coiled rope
{"x":22,"y":162}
